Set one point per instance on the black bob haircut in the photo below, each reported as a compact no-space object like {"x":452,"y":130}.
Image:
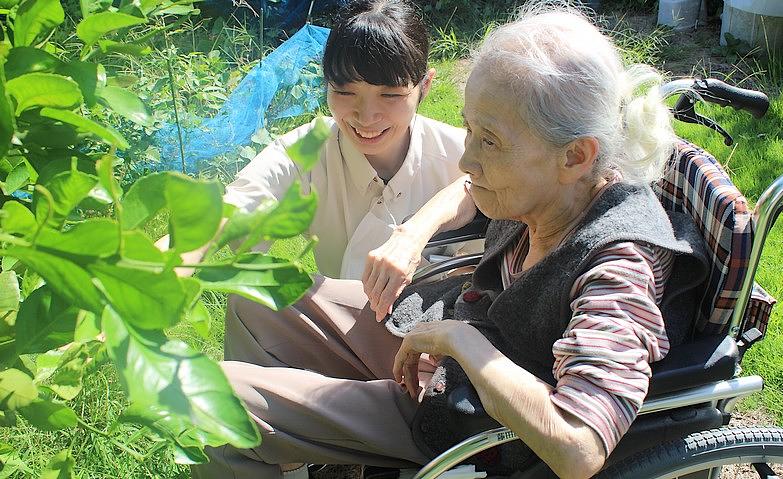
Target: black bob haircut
{"x":381,"y":42}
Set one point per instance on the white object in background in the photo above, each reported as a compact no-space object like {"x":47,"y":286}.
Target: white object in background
{"x":772,"y":8}
{"x":758,"y":22}
{"x":678,"y":14}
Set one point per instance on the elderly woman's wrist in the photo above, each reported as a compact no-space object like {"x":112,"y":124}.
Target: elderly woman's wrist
{"x":413,"y":233}
{"x":464,"y":340}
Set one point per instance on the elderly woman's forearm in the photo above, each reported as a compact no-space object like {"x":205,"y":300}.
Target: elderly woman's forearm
{"x":521,"y":402}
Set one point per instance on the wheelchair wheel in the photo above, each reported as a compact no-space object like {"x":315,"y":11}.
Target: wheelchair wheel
{"x":702,"y":454}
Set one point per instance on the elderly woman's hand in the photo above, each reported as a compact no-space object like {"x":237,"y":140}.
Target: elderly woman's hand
{"x":390,"y":268}
{"x":437,"y":339}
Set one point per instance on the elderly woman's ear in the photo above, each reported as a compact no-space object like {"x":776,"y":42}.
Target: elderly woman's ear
{"x":579,"y":159}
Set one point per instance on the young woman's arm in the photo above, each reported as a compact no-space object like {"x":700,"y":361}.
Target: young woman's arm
{"x":390,"y":267}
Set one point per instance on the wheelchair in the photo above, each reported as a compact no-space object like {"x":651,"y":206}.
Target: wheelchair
{"x":682,"y":428}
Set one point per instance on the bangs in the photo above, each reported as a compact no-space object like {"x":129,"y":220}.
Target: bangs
{"x":370,"y":49}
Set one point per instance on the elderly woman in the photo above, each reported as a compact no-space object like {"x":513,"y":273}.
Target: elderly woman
{"x":555,"y":330}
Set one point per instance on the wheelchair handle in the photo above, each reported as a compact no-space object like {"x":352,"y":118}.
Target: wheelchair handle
{"x":721,"y":93}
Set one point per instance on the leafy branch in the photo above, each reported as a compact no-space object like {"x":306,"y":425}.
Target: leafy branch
{"x":65,"y":219}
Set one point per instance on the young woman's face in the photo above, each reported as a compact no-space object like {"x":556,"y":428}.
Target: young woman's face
{"x":375,"y":117}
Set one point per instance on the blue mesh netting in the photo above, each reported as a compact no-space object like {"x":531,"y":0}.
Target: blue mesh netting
{"x":285,"y":83}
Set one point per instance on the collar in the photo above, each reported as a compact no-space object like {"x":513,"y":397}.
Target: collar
{"x":364,"y":176}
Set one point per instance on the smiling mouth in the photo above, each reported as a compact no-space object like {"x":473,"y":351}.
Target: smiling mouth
{"x":369,"y":135}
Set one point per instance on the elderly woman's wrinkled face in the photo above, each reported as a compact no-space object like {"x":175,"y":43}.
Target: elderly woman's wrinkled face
{"x":513,"y":171}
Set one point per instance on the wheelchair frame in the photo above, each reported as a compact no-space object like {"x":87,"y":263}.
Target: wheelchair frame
{"x":693,"y":456}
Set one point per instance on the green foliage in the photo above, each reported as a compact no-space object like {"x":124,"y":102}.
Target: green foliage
{"x":82,"y":284}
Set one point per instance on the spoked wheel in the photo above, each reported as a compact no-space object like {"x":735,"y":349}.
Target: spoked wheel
{"x":703,"y":455}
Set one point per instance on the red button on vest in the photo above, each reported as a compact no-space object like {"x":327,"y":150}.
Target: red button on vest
{"x":471,"y":296}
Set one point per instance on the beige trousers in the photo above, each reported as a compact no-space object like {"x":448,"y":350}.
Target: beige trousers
{"x":316,"y":379}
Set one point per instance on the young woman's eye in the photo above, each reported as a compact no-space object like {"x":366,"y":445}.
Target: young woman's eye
{"x":392,"y":95}
{"x":342,"y":92}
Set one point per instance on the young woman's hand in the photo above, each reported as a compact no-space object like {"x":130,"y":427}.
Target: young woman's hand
{"x":390,"y":267}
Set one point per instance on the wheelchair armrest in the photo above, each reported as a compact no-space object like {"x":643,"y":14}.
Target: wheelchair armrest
{"x":686,"y":366}
{"x":694,"y":364}
{"x":476,"y":229}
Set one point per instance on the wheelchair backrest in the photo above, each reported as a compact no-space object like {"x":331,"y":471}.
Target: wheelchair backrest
{"x":695,"y":183}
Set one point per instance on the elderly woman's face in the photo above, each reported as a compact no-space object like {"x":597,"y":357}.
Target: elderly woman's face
{"x":513,"y":171}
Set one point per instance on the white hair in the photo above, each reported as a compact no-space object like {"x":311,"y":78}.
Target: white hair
{"x":570,"y":82}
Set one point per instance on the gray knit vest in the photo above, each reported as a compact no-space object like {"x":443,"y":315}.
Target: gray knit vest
{"x":525,"y":320}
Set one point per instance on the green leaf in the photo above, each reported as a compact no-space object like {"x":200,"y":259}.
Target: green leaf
{"x":63,"y":370}
{"x":96,"y":26}
{"x":11,"y":461}
{"x":138,"y":246}
{"x":15,"y":218}
{"x":89,"y":7}
{"x":33,"y":90}
{"x":48,"y":134}
{"x":198,"y":315}
{"x":97,"y":237}
{"x":23,"y":60}
{"x":196,"y":210}
{"x":7,"y":419}
{"x":67,"y":189}
{"x":35,"y":19}
{"x":87,"y":327}
{"x":44,"y":322}
{"x":188,"y":442}
{"x":273,"y":282}
{"x":66,"y":278}
{"x":292,"y":215}
{"x":200,"y":319}
{"x":144,"y":299}
{"x":104,"y":167}
{"x":16,"y":389}
{"x":60,"y":466}
{"x":289,"y":217}
{"x":106,"y":133}
{"x":168,"y":7}
{"x":195,"y":207}
{"x":18,"y":177}
{"x":135,"y":49}
{"x":126,"y":104}
{"x":178,"y":379}
{"x":89,"y":76}
{"x":7,"y":121}
{"x":306,"y":151}
{"x":49,"y":415}
{"x":144,"y":200}
{"x":9,"y":291}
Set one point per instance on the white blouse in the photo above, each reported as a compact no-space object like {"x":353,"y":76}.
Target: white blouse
{"x":356,"y":211}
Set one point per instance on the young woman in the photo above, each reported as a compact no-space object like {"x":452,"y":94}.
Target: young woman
{"x":380,"y":164}
{"x":382,"y":161}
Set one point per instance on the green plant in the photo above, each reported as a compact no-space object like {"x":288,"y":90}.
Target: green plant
{"x":81,"y":283}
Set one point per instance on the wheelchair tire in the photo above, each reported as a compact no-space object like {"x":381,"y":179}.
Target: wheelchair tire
{"x":701,"y":452}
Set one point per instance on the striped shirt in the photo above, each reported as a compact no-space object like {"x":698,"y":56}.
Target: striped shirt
{"x":602,"y":363}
